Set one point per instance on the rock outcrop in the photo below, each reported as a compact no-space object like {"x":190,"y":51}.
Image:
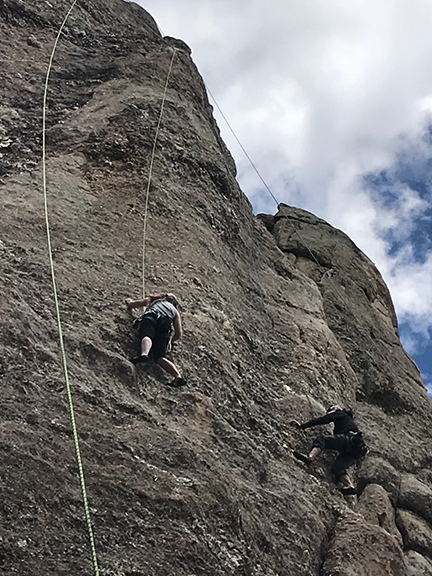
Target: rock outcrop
{"x":280,"y":320}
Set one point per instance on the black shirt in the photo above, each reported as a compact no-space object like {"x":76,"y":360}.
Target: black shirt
{"x":342,"y":419}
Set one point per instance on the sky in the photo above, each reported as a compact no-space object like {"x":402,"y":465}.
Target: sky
{"x":333,"y":102}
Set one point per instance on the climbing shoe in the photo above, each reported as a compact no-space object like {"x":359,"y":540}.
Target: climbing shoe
{"x":140,"y":359}
{"x":348,"y":490}
{"x":302,"y":457}
{"x":177,"y":382}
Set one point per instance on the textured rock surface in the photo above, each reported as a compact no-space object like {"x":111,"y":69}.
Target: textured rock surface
{"x":376,"y":507}
{"x":417,"y":564}
{"x":390,"y":397}
{"x":378,"y":471}
{"x":358,"y":306}
{"x":360,"y":549}
{"x":416,"y":532}
{"x":416,"y":496}
{"x":198,"y":480}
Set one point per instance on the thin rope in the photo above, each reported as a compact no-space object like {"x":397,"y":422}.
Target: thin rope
{"x":243,"y":148}
{"x":151,"y":170}
{"x":59,"y":324}
{"x":303,"y":241}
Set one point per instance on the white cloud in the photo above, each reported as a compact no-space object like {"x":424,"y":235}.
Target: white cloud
{"x":322,"y":92}
{"x":410,"y":285}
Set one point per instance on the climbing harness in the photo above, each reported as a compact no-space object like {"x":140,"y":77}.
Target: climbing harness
{"x":151,"y":170}
{"x":359,"y":447}
{"x":59,"y":324}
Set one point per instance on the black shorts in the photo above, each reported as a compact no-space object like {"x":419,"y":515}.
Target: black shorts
{"x":342,"y":444}
{"x":152,"y":327}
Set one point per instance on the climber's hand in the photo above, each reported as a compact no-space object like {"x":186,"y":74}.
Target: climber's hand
{"x":295,"y":424}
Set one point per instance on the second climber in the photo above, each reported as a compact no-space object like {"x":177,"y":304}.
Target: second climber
{"x":346,"y":439}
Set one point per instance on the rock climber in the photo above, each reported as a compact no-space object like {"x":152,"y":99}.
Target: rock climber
{"x":346,"y":439}
{"x":155,"y":328}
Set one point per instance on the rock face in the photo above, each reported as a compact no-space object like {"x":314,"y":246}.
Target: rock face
{"x":199,"y":480}
{"x":376,"y":507}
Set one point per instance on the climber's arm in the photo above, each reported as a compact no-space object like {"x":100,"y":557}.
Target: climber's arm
{"x":317,"y":421}
{"x":136,"y":303}
{"x":178,"y":330}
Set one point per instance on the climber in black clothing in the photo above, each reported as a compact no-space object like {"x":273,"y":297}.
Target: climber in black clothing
{"x":346,"y":439}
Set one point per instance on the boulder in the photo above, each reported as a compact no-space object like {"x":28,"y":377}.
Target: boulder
{"x":376,"y":507}
{"x":374,"y":470}
{"x":417,"y":564}
{"x":415,"y":496}
{"x":360,"y":549}
{"x":416,"y":532}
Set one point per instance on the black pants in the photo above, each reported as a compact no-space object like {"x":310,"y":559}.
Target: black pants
{"x":340,"y":443}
